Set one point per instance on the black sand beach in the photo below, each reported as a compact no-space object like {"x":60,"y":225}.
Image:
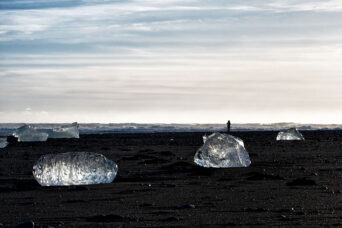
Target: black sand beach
{"x":289,"y":184}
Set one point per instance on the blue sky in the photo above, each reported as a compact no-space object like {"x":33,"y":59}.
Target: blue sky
{"x":171,"y":61}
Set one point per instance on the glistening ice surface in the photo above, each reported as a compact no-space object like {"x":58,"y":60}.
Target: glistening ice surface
{"x":66,"y":131}
{"x":74,"y":168}
{"x":3,"y":142}
{"x":28,"y":133}
{"x":222,"y":151}
{"x":290,"y":134}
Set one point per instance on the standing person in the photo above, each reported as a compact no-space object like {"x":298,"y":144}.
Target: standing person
{"x":228,"y":126}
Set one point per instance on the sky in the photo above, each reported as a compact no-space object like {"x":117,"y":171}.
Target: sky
{"x":171,"y":61}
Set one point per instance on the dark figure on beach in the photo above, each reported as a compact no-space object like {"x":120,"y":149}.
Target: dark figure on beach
{"x":228,"y":126}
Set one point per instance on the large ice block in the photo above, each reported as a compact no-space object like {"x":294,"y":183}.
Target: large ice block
{"x":74,"y":168}
{"x":222,"y":151}
{"x":290,"y":134}
{"x":28,"y":133}
{"x":3,"y":142}
{"x":66,"y":131}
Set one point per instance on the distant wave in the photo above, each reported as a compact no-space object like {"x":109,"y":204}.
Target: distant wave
{"x":97,"y":128}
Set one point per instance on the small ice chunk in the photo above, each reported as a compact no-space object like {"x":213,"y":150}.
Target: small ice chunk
{"x":222,"y":151}
{"x":74,"y":168}
{"x":28,"y":133}
{"x":66,"y":131}
{"x":290,"y":134}
{"x":3,"y":142}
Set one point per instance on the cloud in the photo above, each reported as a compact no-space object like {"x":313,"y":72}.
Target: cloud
{"x":187,"y":57}
{"x":315,"y":6}
{"x":129,"y":23}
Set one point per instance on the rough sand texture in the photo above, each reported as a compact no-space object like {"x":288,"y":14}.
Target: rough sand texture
{"x":290,"y":183}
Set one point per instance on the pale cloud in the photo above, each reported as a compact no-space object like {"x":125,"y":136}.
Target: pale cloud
{"x":316,"y":6}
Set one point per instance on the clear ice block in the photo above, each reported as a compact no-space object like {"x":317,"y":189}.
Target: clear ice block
{"x":28,"y":133}
{"x":3,"y":142}
{"x":290,"y":134}
{"x":66,"y":131}
{"x":74,"y":168}
{"x":222,"y":151}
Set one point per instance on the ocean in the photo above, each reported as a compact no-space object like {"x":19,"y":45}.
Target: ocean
{"x":7,"y":129}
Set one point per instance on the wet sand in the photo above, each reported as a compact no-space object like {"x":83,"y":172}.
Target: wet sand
{"x":289,"y":184}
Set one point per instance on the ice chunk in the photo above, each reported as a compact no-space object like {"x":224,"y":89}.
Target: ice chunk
{"x":204,"y":137}
{"x":66,"y":131}
{"x":290,"y":134}
{"x":28,"y":133}
{"x":222,"y":151}
{"x":3,"y":142}
{"x":74,"y":168}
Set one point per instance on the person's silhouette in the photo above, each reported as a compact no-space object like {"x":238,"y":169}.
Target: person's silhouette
{"x":228,"y":126}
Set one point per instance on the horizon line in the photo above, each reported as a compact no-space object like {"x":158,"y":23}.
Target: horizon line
{"x":160,"y":123}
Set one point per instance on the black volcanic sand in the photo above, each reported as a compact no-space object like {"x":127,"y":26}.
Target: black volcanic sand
{"x":290,"y":183}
